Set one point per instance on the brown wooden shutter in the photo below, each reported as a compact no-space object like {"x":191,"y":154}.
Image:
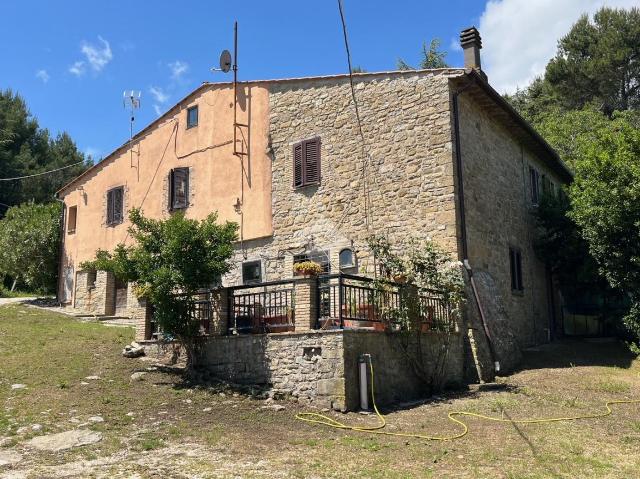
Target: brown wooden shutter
{"x":118,"y":205}
{"x":298,"y":179}
{"x":180,"y":188}
{"x":110,"y":207}
{"x":170,"y":190}
{"x":312,"y":161}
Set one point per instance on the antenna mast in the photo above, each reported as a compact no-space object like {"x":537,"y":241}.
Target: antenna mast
{"x":131,"y":101}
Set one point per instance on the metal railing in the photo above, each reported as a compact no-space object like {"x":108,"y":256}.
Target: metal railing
{"x":357,"y":302}
{"x":262,"y":307}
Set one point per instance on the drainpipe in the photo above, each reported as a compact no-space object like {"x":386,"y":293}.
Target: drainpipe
{"x":463,"y":222}
{"x":60,"y":246}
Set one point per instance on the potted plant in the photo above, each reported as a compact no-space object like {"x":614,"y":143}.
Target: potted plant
{"x":307,"y":269}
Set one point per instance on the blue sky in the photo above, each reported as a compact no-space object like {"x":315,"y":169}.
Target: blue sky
{"x":72,"y":60}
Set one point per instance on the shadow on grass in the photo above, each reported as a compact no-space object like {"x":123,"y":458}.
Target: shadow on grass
{"x":570,"y":353}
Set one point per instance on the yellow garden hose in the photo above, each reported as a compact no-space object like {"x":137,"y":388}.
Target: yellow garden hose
{"x":315,"y":418}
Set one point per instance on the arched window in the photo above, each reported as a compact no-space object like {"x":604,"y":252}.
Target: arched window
{"x":347,"y":259}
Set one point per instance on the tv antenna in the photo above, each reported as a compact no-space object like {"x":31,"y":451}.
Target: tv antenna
{"x":131,"y":101}
{"x":226,"y":63}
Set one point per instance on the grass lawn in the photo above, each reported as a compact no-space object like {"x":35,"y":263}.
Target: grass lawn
{"x":159,"y":427}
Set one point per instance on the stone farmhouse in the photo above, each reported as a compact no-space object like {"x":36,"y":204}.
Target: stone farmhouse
{"x":436,"y":154}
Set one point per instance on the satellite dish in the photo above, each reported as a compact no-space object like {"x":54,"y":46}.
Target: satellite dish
{"x":225,"y":61}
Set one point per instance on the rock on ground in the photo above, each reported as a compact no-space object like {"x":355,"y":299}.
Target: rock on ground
{"x":64,"y":440}
{"x":8,"y":458}
{"x":138,"y":376}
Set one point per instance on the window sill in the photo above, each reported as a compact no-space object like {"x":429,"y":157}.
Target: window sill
{"x":71,"y":232}
{"x":517,"y":292}
{"x":307,"y":185}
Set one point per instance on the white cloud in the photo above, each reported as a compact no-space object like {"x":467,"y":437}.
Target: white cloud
{"x":42,"y":75}
{"x":157,"y":109}
{"x":97,"y":56}
{"x":519,"y":37}
{"x":178,"y":69}
{"x":454,"y":45}
{"x":159,"y":95}
{"x":78,"y":68}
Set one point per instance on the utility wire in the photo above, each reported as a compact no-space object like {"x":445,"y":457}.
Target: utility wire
{"x":40,"y":174}
{"x":357,"y":110}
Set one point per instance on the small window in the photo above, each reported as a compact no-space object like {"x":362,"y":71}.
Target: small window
{"x":347,"y":260}
{"x":192,"y":117}
{"x":251,"y":272}
{"x":534,"y":180}
{"x":91,"y":279}
{"x":179,"y":189}
{"x":515,"y":263}
{"x":306,"y":163}
{"x":115,"y":206}
{"x":71,"y":222}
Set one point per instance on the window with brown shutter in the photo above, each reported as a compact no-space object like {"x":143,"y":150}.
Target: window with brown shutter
{"x":306,"y":163}
{"x":179,"y":188}
{"x":115,"y":206}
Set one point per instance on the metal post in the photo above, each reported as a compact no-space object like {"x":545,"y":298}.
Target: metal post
{"x":340,"y":301}
{"x":235,"y":86}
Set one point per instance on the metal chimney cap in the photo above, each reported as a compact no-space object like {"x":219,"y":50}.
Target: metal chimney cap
{"x":470,"y":36}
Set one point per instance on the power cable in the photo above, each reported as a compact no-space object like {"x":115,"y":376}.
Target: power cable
{"x":365,"y":159}
{"x":42,"y":173}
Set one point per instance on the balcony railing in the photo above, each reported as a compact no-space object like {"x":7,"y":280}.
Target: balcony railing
{"x":356,"y":302}
{"x":262,"y":308}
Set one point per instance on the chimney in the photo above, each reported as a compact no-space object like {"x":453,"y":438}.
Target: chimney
{"x":471,"y":44}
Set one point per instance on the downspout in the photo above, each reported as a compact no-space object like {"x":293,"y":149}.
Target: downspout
{"x":463,"y":222}
{"x":60,"y":246}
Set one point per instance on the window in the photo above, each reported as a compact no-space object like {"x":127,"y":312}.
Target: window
{"x":534,"y":180}
{"x":306,"y":163}
{"x":347,"y":261}
{"x":320,"y":257}
{"x":91,"y":279}
{"x":515,"y":263}
{"x":115,"y":206}
{"x":192,"y":117}
{"x":178,"y":189}
{"x":71,"y":221}
{"x":251,"y":272}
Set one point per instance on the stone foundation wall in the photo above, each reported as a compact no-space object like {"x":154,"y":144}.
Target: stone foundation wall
{"x":321,"y":367}
{"x":308,"y":366}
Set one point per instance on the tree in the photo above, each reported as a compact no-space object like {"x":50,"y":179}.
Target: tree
{"x":605,"y":199}
{"x":171,"y":260}
{"x":432,"y":57}
{"x":27,"y":149}
{"x":599,"y":62}
{"x":29,"y":243}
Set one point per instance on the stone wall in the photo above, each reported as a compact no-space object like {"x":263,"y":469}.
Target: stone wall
{"x":499,"y":215}
{"x":308,"y":365}
{"x":409,"y":174}
{"x":396,"y":378}
{"x":321,"y":367}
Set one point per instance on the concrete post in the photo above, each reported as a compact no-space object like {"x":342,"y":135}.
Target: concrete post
{"x":306,"y":303}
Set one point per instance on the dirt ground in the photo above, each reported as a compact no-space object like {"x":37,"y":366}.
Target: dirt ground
{"x":73,"y":378}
